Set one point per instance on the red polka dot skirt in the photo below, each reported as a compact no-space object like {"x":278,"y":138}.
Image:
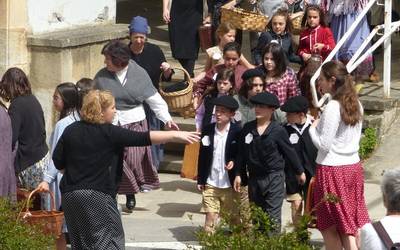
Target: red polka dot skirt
{"x":347,"y":183}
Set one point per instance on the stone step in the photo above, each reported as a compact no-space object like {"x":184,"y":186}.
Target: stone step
{"x":172,"y":163}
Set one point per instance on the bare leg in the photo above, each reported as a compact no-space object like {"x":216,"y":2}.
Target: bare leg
{"x":297,"y":208}
{"x":211,"y":220}
{"x":332,"y":239}
{"x":349,"y":241}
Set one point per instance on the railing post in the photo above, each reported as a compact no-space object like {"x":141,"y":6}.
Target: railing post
{"x":387,"y":50}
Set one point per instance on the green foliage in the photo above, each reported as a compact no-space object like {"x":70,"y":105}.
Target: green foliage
{"x":368,"y":143}
{"x":257,"y":236}
{"x":260,"y":234}
{"x":15,"y":235}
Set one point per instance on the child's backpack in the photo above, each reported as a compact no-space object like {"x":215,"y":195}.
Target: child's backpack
{"x":385,"y":236}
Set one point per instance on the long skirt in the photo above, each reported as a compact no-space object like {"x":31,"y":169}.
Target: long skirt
{"x":139,"y":172}
{"x":93,"y":220}
{"x":347,"y":183}
{"x":340,"y":25}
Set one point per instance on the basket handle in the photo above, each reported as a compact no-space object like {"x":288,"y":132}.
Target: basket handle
{"x":186,"y":74}
{"x":53,"y":203}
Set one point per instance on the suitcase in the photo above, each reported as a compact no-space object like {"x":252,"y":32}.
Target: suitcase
{"x":205,"y":35}
{"x":190,"y":159}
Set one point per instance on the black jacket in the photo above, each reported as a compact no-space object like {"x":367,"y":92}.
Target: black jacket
{"x":305,"y":149}
{"x":285,"y":40}
{"x":206,"y":152}
{"x":263,"y":154}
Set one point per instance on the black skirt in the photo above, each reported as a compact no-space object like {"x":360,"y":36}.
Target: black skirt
{"x":93,"y":220}
{"x":186,"y":17}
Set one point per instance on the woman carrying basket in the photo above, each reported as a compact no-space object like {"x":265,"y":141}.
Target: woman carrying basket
{"x":90,"y":153}
{"x":151,"y":58}
{"x":131,"y":86}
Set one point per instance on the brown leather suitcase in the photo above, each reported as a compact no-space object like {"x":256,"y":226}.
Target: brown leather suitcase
{"x":205,"y":34}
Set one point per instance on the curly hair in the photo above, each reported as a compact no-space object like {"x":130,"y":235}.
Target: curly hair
{"x":248,"y":85}
{"x":14,"y":83}
{"x":314,"y":7}
{"x":94,"y":104}
{"x":118,"y":51}
{"x":344,"y":92}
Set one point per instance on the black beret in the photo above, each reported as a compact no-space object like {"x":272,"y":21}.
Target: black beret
{"x":250,"y":73}
{"x":265,"y":98}
{"x":226,"y":101}
{"x":296,"y":104}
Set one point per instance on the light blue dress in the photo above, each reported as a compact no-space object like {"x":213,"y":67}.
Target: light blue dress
{"x":52,"y":175}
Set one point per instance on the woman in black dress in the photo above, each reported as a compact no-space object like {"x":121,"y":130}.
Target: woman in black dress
{"x":183,"y":21}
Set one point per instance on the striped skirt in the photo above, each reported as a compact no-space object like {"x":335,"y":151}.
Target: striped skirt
{"x":93,"y":220}
{"x":138,"y":170}
{"x":347,"y":183}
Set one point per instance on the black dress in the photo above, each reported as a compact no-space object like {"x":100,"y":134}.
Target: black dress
{"x":186,"y":17}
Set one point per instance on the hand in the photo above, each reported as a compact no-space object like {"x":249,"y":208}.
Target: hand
{"x":186,"y":137}
{"x":166,"y":16}
{"x":306,"y":56}
{"x":201,"y":187}
{"x":236,"y":183}
{"x":43,"y":187}
{"x":318,"y":46}
{"x":301,"y":178}
{"x":172,"y":125}
{"x":229,"y":166}
{"x":195,"y":102}
{"x":165,"y":66}
{"x":315,"y":123}
{"x":231,"y":4}
{"x":207,"y":19}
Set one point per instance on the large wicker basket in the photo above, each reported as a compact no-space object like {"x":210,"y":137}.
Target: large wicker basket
{"x":49,"y":221}
{"x":243,"y":19}
{"x":179,"y":99}
{"x":296,"y":22}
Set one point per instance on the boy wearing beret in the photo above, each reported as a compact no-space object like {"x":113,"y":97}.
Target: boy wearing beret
{"x":298,"y":124}
{"x":264,"y":145}
{"x":216,"y":172}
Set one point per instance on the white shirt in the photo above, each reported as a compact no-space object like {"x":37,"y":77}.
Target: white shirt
{"x":136,"y":114}
{"x":219,"y":175}
{"x":337,"y":143}
{"x":370,"y":239}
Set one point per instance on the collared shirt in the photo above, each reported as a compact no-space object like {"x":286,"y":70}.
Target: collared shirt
{"x":219,"y":175}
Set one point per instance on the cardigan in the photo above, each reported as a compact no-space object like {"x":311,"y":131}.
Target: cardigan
{"x":28,"y":131}
{"x":91,"y":155}
{"x":310,"y":36}
{"x":138,"y":86}
{"x":337,"y":143}
{"x":7,"y":173}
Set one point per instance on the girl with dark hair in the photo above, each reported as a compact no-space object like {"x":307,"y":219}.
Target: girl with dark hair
{"x":278,"y":29}
{"x":336,"y":135}
{"x":281,"y":80}
{"x":28,"y":128}
{"x":317,"y":38}
{"x":231,"y":56}
{"x":65,"y":101}
{"x":7,"y":174}
{"x":223,"y":85}
{"x":132,"y":87}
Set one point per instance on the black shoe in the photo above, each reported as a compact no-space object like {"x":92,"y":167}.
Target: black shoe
{"x":130,"y":202}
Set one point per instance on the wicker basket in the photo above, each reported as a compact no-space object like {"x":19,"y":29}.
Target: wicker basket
{"x":50,"y":221}
{"x":296,"y":22}
{"x":243,"y":19}
{"x":179,"y":99}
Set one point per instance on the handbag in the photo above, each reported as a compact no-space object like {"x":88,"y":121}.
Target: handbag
{"x":308,"y":209}
{"x":382,"y":233}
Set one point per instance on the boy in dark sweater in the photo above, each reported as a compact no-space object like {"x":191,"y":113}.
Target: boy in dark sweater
{"x":215,"y":166}
{"x":264,"y":145}
{"x":298,"y":124}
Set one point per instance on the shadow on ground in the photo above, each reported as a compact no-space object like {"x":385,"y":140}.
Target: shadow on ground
{"x":184,"y":233}
{"x":181,"y":185}
{"x":177,"y":210}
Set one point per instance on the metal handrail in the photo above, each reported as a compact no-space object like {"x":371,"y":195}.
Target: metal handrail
{"x":318,"y":103}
